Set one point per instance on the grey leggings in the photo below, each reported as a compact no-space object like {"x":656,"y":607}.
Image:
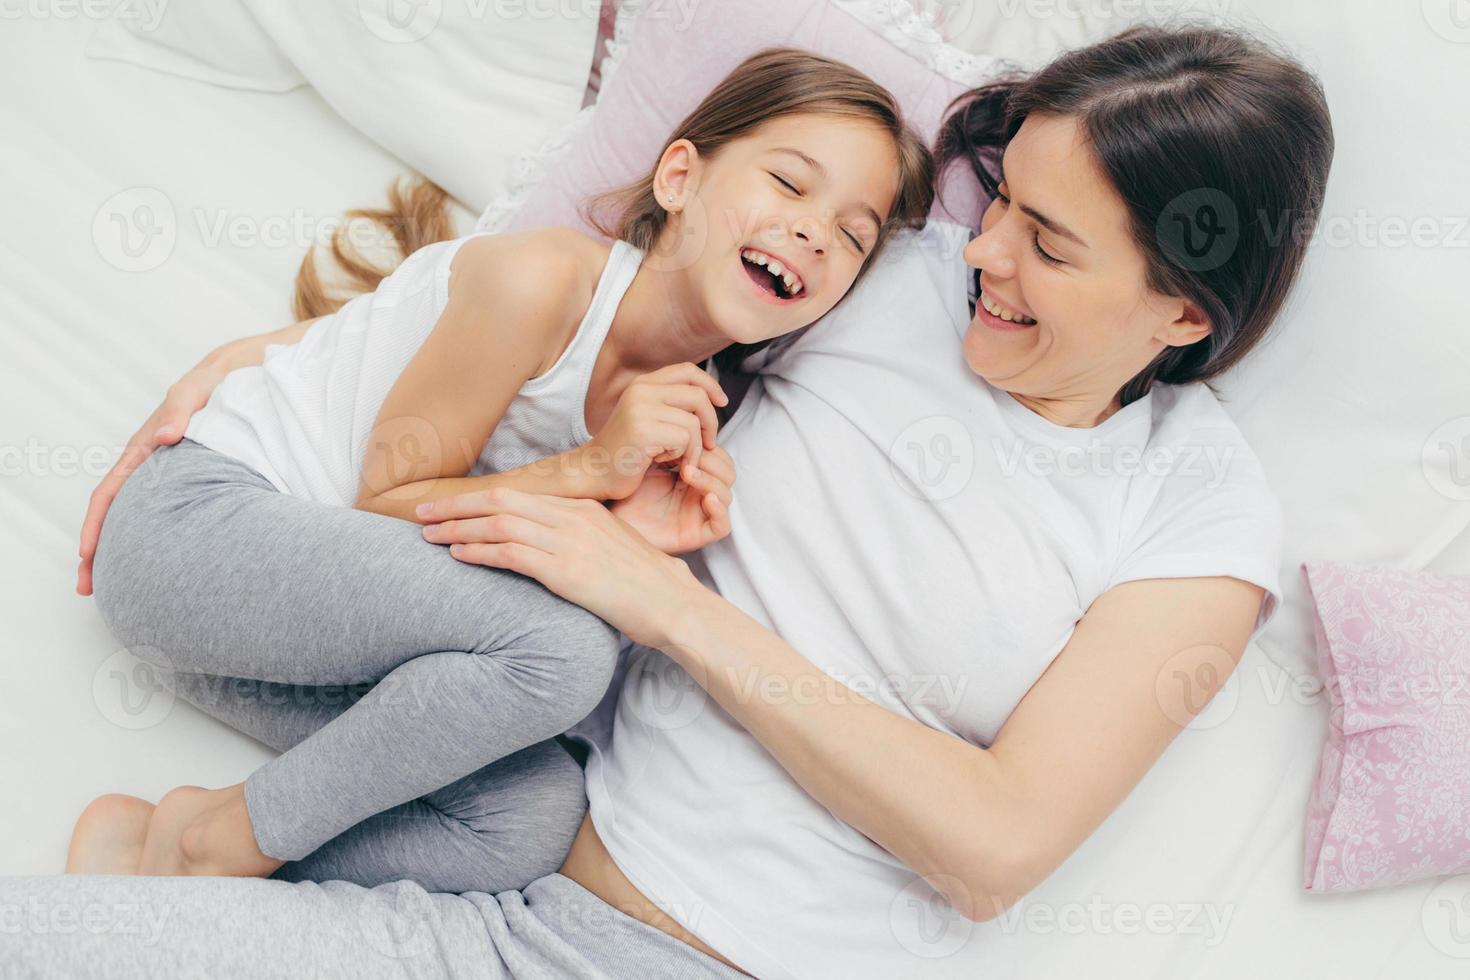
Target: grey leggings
{"x":126,"y":928}
{"x":412,"y":695}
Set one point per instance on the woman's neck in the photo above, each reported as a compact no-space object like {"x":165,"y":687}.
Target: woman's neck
{"x":1073,"y":411}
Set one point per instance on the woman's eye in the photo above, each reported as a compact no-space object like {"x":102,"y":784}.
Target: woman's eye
{"x":786,"y":183}
{"x":1043,"y":253}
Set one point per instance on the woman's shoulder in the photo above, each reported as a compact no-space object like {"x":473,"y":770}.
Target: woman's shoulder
{"x":1202,"y":454}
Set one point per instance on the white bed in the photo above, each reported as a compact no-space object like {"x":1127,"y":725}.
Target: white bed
{"x":89,"y":349}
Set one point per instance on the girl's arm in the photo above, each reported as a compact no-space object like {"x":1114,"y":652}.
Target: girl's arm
{"x":510,"y":299}
{"x":983,"y":825}
{"x":513,"y":302}
{"x":167,"y":424}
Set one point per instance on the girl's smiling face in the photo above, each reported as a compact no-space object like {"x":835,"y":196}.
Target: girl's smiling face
{"x":773,"y":229}
{"x":1066,"y":314}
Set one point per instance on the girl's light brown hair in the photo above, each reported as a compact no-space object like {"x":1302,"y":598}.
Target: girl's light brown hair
{"x":770,"y":84}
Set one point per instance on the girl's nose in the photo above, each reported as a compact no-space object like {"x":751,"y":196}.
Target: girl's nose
{"x":810,"y":234}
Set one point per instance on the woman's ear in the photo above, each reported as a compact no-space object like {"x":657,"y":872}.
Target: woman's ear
{"x":673,"y":178}
{"x":1190,"y":326}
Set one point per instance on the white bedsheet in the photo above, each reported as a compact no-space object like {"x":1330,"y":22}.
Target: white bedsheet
{"x":1209,"y":845}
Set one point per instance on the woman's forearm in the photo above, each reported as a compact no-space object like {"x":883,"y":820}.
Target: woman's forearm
{"x":247,"y":351}
{"x":933,"y":801}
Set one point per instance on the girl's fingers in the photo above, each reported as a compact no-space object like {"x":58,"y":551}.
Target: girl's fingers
{"x":680,"y":433}
{"x":499,"y":529}
{"x":690,"y":374}
{"x":695,"y":400}
{"x":706,"y":482}
{"x":717,"y":463}
{"x":717,"y":518}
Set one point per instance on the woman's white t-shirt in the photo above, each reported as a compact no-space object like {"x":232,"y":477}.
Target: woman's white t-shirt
{"x":925,"y":538}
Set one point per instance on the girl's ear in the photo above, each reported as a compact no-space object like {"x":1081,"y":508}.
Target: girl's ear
{"x":673,"y":177}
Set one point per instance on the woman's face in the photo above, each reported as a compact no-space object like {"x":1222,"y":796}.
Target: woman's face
{"x":1058,"y":260}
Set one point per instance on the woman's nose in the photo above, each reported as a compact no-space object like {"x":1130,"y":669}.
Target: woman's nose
{"x":989,"y":251}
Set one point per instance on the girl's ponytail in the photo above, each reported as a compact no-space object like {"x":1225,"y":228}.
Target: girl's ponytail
{"x":417,"y":215}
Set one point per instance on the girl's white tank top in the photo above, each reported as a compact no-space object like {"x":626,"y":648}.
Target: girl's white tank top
{"x":304,"y":418}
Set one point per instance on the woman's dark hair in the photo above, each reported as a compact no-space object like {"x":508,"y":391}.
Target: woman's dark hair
{"x":1220,"y":149}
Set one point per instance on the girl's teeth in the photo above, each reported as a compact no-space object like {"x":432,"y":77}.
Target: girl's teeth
{"x":793,"y":284}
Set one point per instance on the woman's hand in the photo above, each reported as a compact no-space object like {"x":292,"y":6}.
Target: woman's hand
{"x":164,"y":428}
{"x":663,"y":416}
{"x":576,"y":548}
{"x":673,"y":509}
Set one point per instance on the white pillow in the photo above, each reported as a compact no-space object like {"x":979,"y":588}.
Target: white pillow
{"x":215,"y":41}
{"x":1026,"y":33}
{"x":457,"y":89}
{"x":1359,"y":404}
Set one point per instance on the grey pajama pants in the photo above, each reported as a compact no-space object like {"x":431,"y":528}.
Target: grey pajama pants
{"x":414,"y":697}
{"x":78,"y":927}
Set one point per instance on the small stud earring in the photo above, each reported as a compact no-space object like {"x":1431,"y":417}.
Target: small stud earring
{"x":671,"y":199}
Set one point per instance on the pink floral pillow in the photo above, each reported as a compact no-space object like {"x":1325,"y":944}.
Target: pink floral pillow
{"x":1392,"y":799}
{"x":665,"y":57}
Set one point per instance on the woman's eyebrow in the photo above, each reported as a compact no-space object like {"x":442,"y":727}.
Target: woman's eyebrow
{"x":1050,"y":224}
{"x":816,"y":165}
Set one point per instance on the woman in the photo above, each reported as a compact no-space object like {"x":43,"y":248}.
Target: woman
{"x":780,"y":814}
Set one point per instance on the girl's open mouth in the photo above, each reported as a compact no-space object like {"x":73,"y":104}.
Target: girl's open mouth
{"x":770,"y":276}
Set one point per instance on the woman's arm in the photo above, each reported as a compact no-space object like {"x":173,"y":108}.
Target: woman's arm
{"x":167,"y":424}
{"x":985,"y":826}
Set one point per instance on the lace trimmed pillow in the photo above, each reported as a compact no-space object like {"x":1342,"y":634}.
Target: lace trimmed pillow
{"x":1391,"y":803}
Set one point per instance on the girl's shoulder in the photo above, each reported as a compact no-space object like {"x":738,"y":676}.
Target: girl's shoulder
{"x":534,"y":284}
{"x":533,"y":259}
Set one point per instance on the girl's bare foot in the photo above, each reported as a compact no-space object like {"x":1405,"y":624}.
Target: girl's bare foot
{"x":108,"y":837}
{"x":196,"y":831}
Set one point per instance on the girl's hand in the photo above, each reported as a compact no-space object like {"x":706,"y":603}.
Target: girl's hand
{"x":684,"y":510}
{"x":576,"y":548}
{"x":164,"y":428}
{"x":663,"y":416}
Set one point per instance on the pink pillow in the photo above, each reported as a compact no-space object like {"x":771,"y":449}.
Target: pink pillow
{"x":665,"y":57}
{"x":1392,"y":799}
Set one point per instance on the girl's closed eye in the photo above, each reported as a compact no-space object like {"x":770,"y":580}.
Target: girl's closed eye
{"x":856,"y":242}
{"x":786,"y":183}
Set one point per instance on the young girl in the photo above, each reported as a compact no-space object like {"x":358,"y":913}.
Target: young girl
{"x":259,"y":564}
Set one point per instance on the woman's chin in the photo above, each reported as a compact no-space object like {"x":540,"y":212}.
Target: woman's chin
{"x":982,"y":361}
